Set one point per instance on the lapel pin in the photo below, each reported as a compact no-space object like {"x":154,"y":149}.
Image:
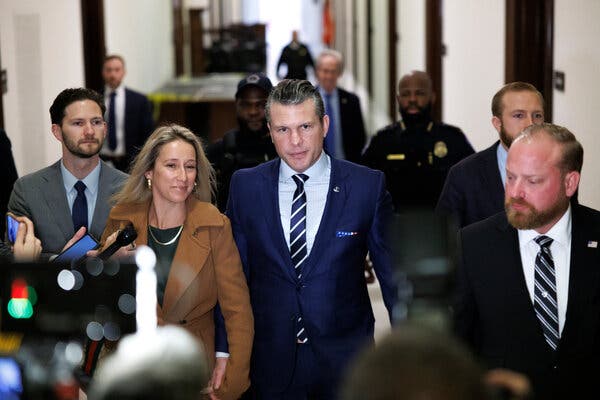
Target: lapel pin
{"x":336,"y":189}
{"x":593,"y":244}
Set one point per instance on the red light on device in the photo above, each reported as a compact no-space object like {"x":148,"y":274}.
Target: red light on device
{"x":19,"y":289}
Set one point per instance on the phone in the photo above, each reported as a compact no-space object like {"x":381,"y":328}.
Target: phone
{"x":12,"y":226}
{"x":77,"y":251}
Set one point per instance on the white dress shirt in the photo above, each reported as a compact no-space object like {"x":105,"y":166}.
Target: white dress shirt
{"x":316,"y":188}
{"x":501,"y":156}
{"x":120,"y":120}
{"x":561,"y":254}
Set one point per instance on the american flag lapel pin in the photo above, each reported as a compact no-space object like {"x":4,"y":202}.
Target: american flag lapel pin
{"x":593,"y":244}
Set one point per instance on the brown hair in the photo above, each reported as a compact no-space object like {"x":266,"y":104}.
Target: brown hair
{"x":498,"y":107}
{"x":572,"y":151}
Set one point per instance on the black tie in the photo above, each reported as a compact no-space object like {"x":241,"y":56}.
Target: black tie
{"x":80,"y":209}
{"x":112,"y":122}
{"x":545,"y":304}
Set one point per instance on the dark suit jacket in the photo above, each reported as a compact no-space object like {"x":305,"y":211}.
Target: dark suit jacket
{"x":206,"y":267}
{"x":41,"y":197}
{"x":8,"y":176}
{"x":495,"y":315}
{"x":332,"y":294}
{"x":473,"y":189}
{"x":353,"y":127}
{"x":138,"y":121}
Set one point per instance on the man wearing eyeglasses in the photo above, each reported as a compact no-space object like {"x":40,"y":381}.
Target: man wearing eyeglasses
{"x":248,"y":145}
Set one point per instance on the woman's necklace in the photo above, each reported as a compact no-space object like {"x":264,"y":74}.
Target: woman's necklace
{"x":168,"y":242}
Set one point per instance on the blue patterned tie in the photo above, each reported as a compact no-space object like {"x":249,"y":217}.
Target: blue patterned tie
{"x":330,"y":138}
{"x":298,"y":249}
{"x":112,"y":122}
{"x":545,"y":304}
{"x":80,"y":209}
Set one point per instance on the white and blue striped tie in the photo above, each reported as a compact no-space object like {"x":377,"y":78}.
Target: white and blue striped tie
{"x":298,"y":248}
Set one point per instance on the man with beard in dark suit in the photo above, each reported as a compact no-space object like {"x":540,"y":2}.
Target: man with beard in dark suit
{"x":416,"y":152}
{"x":474,"y":189}
{"x":129,"y":116}
{"x":528,"y":282}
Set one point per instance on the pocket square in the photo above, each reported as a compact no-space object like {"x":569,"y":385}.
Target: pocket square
{"x":345,"y":233}
{"x":593,"y":244}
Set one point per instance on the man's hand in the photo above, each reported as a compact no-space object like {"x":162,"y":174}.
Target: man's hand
{"x":516,"y":384}
{"x":27,"y":247}
{"x":78,"y":235}
{"x":217,"y":377}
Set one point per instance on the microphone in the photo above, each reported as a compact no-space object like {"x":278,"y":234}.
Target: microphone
{"x":125,"y":237}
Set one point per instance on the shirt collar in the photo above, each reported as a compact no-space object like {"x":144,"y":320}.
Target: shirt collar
{"x":315,"y":171}
{"x":119,"y":90}
{"x":91,"y":180}
{"x":333,"y":93}
{"x":560,"y":232}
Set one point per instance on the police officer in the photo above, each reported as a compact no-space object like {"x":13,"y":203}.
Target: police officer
{"x":250,"y":143}
{"x":416,"y":152}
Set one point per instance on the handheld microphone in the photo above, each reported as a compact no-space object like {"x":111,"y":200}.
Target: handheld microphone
{"x":125,"y":237}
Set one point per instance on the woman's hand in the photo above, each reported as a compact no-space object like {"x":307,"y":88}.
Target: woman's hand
{"x":27,"y":247}
{"x":217,"y":377}
{"x":124,"y":251}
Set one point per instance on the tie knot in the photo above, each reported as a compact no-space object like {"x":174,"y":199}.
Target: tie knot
{"x":80,"y":187}
{"x":300,"y":179}
{"x":112,"y":95}
{"x":544,"y":241}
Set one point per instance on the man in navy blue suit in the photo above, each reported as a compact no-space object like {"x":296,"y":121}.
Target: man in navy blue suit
{"x":128,"y":114}
{"x":303,"y":224}
{"x":346,"y":137}
{"x":474,"y":188}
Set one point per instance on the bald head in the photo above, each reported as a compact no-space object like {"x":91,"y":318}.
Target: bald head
{"x":415,"y":97}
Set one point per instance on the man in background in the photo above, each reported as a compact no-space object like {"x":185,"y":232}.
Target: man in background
{"x":73,"y":192}
{"x":296,"y":57}
{"x":129,"y":115}
{"x":528,"y":281}
{"x":346,"y":136}
{"x":416,"y":152}
{"x":247,"y":145}
{"x":474,"y":189}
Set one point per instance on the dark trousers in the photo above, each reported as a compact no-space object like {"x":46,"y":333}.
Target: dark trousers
{"x":307,"y":381}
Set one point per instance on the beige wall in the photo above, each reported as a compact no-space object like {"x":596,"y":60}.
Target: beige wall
{"x":577,"y":54}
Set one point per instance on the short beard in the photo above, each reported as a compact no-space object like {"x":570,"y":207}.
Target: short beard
{"x":421,"y":118}
{"x":74,"y":149}
{"x":535,"y":218}
{"x":504,"y":138}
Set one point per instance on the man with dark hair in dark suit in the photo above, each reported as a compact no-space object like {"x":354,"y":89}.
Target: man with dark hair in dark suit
{"x":346,"y":136}
{"x":528,"y":282}
{"x":474,"y":188}
{"x":129,"y":116}
{"x":303,"y":224}
{"x":416,"y":152}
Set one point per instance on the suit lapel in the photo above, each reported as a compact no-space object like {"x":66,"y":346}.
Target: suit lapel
{"x":492,"y":178}
{"x":269,"y":191}
{"x":581,"y":276}
{"x":334,"y":208}
{"x":102,"y":209}
{"x":56,"y":200}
